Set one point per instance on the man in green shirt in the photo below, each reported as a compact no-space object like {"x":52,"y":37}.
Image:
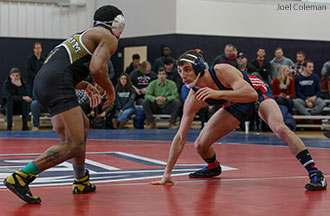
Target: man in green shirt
{"x":161,"y":98}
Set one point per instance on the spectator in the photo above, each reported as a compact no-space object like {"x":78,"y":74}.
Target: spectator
{"x":297,"y":67}
{"x":172,"y":73}
{"x":134,"y":64}
{"x":16,"y":95}
{"x":325,"y":83}
{"x":161,"y":98}
{"x":279,"y":60}
{"x":283,"y":88}
{"x":141,"y":79}
{"x":124,"y":105}
{"x":33,"y":65}
{"x":263,"y":66}
{"x":308,"y":91}
{"x":159,"y":62}
{"x":243,"y":65}
{"x":36,"y":109}
{"x":227,"y":57}
{"x":325,"y":68}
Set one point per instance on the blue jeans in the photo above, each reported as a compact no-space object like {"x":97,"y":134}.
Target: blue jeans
{"x":286,"y":102}
{"x":126,"y":113}
{"x":36,"y":109}
{"x":23,"y":108}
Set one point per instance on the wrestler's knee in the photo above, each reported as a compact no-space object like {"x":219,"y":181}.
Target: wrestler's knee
{"x":281,"y":130}
{"x":200,"y":147}
{"x":77,"y":147}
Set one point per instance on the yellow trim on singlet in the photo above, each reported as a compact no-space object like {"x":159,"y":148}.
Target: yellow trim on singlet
{"x":75,"y":47}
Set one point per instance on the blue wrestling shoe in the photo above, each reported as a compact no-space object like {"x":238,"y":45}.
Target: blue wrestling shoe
{"x":18,"y":183}
{"x":206,"y":172}
{"x":82,"y":185}
{"x":317,"y":182}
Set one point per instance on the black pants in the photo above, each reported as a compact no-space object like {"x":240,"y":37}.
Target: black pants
{"x":171,"y":108}
{"x":17,"y":107}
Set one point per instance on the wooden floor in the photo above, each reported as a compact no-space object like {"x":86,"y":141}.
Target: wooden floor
{"x":260,"y":176}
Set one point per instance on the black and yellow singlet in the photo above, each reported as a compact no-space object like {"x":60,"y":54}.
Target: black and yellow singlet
{"x":66,"y":65}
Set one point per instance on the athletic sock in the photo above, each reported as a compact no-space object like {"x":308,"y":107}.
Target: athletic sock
{"x":212,"y":162}
{"x":79,"y":171}
{"x":31,"y":168}
{"x":306,"y":160}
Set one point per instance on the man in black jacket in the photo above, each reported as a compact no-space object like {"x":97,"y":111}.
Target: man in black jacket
{"x":16,"y":95}
{"x":263,"y":66}
{"x":134,"y":64}
{"x":33,"y":65}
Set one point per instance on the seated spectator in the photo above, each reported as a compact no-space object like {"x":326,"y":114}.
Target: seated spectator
{"x":277,"y":61}
{"x":325,"y":81}
{"x":159,"y":62}
{"x":124,"y":104}
{"x":263,"y":66}
{"x":297,"y":67}
{"x":228,"y":57}
{"x":36,"y":109}
{"x":172,"y":73}
{"x":283,"y":88}
{"x":325,"y":68}
{"x":140,"y":79}
{"x":243,"y":65}
{"x":161,"y":98}
{"x":308,"y":91}
{"x":15,"y":92}
{"x":134,"y":64}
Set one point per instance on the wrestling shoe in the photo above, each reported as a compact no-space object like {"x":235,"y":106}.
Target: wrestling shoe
{"x":206,"y":172}
{"x":318,"y":181}
{"x":18,"y":183}
{"x":82,"y":185}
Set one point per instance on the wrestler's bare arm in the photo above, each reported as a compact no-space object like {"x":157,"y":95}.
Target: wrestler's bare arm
{"x":98,"y":67}
{"x":230,"y":77}
{"x":191,"y":106}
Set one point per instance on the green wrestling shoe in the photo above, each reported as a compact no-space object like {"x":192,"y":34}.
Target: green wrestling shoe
{"x":18,"y":183}
{"x":82,"y":185}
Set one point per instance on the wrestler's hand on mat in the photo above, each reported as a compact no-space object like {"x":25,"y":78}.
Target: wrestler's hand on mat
{"x":205,"y":93}
{"x":110,"y":99}
{"x":93,"y":95}
{"x":166,"y":180}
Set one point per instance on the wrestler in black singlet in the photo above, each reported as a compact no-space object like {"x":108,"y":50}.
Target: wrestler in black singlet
{"x":66,"y":65}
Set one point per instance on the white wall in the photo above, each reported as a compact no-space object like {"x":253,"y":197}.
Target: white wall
{"x":157,"y":17}
{"x":38,"y":20}
{"x":146,"y":17}
{"x":257,"y":19}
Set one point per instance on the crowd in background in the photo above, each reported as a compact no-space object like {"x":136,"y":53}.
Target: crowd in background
{"x":145,"y":89}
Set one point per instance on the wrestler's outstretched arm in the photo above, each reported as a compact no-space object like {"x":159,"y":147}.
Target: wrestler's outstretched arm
{"x":191,"y":106}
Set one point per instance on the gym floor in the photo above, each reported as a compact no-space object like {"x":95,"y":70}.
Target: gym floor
{"x":260,"y":176}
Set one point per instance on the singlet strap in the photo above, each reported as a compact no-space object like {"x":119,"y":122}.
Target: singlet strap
{"x":215,"y":79}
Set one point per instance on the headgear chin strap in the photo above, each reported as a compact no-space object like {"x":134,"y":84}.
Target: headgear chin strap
{"x":193,"y":83}
{"x":117,"y":25}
